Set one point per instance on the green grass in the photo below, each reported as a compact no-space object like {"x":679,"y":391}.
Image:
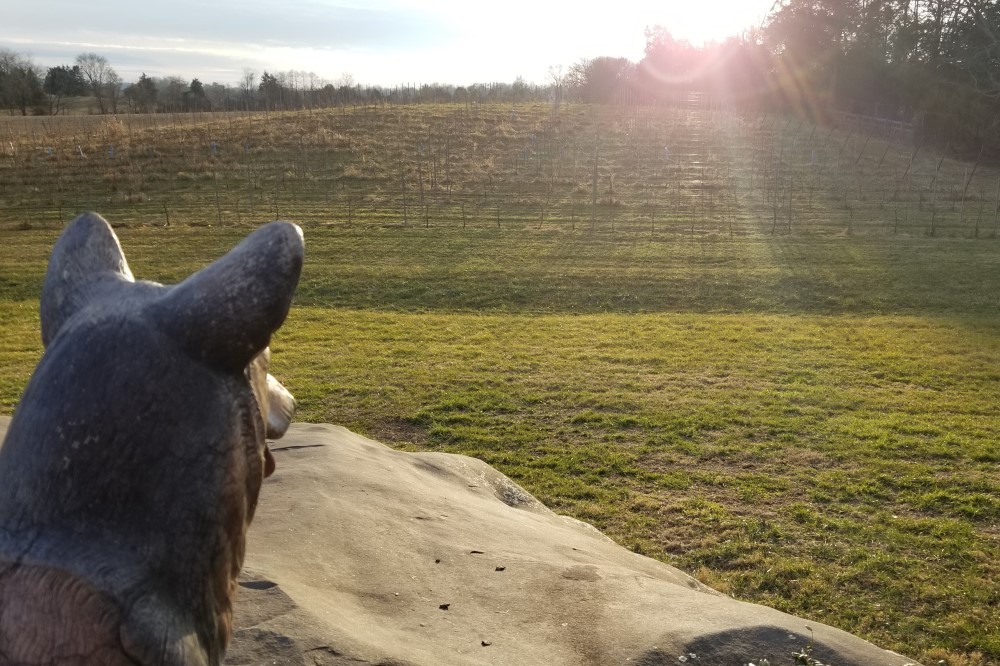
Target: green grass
{"x":526,"y":270}
{"x":805,"y":423}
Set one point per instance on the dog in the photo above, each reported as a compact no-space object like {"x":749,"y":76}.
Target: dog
{"x":132,"y":465}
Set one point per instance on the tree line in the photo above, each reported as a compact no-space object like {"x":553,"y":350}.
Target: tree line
{"x":934,"y":64}
{"x":27,"y":89}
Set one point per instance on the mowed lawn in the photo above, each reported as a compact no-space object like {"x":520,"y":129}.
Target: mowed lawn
{"x":809,"y":423}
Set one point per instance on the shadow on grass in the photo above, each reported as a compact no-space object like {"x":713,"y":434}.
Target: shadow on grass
{"x":562,"y":271}
{"x":600,"y":273}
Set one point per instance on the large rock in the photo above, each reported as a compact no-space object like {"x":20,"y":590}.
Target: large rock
{"x":362,"y":554}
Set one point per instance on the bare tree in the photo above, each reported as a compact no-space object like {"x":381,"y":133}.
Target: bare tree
{"x":220,"y":96}
{"x":113,"y":90}
{"x":170,"y":92}
{"x":975,"y":45}
{"x":576,"y":77}
{"x":557,"y":82}
{"x":102,"y":79}
{"x":20,"y":83}
{"x":248,"y":86}
{"x":600,"y":80}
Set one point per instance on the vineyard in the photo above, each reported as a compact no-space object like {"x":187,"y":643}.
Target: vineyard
{"x":696,"y":168}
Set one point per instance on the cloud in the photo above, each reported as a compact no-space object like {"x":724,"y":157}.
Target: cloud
{"x":216,"y":40}
{"x":378,"y":41}
{"x":297,"y":23}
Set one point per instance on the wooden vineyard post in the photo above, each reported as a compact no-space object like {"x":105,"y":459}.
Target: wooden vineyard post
{"x":218,"y":202}
{"x":447,"y":164}
{"x":611,"y":212}
{"x":996,"y":209}
{"x":774,"y":224}
{"x":933,"y":206}
{"x":420,"y":171}
{"x":593,"y":191}
{"x":909,"y":167}
{"x":791,"y":191}
{"x":732,"y":213}
{"x":961,"y":210}
{"x":968,"y":181}
{"x":406,"y":221}
{"x":934,"y":193}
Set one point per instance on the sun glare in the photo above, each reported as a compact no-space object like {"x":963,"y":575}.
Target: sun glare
{"x":704,"y":21}
{"x":412,"y":41}
{"x":530,"y":36}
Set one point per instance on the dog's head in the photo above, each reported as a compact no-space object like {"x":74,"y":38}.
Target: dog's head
{"x":139,"y":434}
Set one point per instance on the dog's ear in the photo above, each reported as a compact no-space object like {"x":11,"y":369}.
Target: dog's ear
{"x":86,"y":254}
{"x":225,"y":313}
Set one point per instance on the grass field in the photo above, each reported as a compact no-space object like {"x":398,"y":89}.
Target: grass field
{"x":806,"y":418}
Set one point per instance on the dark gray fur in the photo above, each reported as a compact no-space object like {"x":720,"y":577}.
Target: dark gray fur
{"x":134,"y":459}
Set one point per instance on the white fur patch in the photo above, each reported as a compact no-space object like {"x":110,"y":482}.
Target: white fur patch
{"x":280,"y":408}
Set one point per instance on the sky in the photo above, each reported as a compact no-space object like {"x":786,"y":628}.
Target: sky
{"x":379,"y":42}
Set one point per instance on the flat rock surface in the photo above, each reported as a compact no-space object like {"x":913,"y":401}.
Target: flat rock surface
{"x":362,"y":554}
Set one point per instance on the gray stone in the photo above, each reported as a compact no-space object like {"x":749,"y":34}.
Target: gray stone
{"x":355,"y":547}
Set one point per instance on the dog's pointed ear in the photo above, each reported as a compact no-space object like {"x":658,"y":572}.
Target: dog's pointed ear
{"x":87,"y":252}
{"x":225,"y":313}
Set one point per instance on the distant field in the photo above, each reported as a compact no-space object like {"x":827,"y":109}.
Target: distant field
{"x":656,"y":171}
{"x":806,"y":419}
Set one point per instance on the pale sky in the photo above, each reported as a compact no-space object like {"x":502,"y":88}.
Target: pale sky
{"x":380,"y":42}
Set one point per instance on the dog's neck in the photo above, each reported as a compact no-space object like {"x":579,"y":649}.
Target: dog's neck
{"x":84,"y":594}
